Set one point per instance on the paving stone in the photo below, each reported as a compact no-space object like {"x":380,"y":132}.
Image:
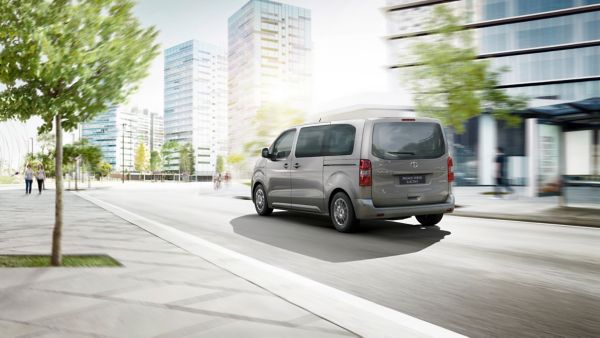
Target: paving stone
{"x":185,"y":275}
{"x":10,"y":277}
{"x":12,"y":329}
{"x":165,"y":294}
{"x":28,"y":305}
{"x":127,"y":320}
{"x":267,"y":307}
{"x":260,"y":330}
{"x":91,"y":284}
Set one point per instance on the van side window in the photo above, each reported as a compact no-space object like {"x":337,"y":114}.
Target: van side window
{"x":282,"y":147}
{"x":339,"y":140}
{"x":310,"y":141}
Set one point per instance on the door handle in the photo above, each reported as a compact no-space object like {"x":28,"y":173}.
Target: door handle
{"x":296,"y":165}
{"x":285,"y":165}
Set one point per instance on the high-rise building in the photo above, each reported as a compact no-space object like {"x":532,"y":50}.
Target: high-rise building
{"x":269,"y":63}
{"x":196,"y":101}
{"x":551,"y":47}
{"x":119,"y":131}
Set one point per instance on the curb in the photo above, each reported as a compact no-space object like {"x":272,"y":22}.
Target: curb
{"x":529,"y":218}
{"x":350,"y":312}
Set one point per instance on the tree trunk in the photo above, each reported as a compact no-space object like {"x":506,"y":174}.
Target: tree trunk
{"x":58,"y":203}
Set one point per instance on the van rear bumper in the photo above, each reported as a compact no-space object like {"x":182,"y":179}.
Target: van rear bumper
{"x":365,"y":209}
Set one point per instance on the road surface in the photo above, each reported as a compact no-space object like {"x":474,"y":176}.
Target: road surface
{"x":478,"y":277}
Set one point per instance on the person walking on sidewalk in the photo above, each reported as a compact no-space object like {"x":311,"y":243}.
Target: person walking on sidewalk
{"x":41,"y":176}
{"x":28,"y":174}
{"x":501,"y":180}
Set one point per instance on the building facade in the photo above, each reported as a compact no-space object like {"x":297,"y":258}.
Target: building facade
{"x":552,"y":49}
{"x":270,"y":63}
{"x":120,"y":130}
{"x":195,"y":101}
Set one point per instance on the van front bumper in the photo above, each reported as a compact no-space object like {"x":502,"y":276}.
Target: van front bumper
{"x":365,"y":209}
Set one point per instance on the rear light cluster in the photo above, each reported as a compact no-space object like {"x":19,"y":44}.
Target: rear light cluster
{"x":365,"y":173}
{"x":450,"y":170}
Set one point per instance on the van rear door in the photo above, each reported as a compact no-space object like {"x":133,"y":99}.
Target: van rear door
{"x":409,"y":163}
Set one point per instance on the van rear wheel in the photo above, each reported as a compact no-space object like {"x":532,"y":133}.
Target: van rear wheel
{"x":429,"y":220}
{"x":342,"y":213}
{"x":260,"y":201}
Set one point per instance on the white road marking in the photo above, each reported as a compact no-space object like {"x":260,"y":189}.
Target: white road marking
{"x":353,"y":313}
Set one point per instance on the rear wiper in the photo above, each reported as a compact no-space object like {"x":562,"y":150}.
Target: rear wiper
{"x":400,"y":152}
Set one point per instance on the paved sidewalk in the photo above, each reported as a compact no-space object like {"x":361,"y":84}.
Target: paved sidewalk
{"x":472,"y":203}
{"x":161,"y":291}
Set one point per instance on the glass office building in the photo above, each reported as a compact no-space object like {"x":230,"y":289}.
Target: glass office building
{"x":120,"y":130}
{"x":269,"y":63}
{"x":551,"y":47}
{"x":195,"y":101}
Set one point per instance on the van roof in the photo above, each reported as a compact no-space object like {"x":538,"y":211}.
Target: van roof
{"x":417,"y":119}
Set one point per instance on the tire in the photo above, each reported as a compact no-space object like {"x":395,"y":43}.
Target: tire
{"x":341,"y":212}
{"x":429,"y":220}
{"x":259,"y":197}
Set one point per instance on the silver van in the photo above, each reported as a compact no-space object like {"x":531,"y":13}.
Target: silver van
{"x":372,"y":168}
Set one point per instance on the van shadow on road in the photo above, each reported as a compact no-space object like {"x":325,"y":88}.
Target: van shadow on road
{"x":314,"y":236}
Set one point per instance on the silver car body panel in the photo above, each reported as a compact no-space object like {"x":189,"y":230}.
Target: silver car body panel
{"x":314,"y":180}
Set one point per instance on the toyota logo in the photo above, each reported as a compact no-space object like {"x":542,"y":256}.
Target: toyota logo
{"x":414,"y":164}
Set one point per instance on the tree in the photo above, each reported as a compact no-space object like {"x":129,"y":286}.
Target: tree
{"x":270,"y":121}
{"x":103,"y":170}
{"x":236,"y":161}
{"x":155,"y":161}
{"x":220,"y":167}
{"x":89,"y":155}
{"x":66,"y":61}
{"x":140,"y":162}
{"x":186,"y":159}
{"x":449,"y":83}
{"x":168,"y":152}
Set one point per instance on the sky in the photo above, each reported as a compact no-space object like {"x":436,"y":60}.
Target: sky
{"x":349,"y":52}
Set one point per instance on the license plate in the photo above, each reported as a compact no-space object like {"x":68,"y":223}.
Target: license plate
{"x":412,"y":179}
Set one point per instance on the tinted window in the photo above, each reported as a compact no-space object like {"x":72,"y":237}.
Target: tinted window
{"x":310,"y":141}
{"x":407,"y":140}
{"x":282,"y":147}
{"x":332,"y":140}
{"x":339,"y":140}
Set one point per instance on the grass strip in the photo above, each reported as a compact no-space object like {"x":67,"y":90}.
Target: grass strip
{"x":41,"y":261}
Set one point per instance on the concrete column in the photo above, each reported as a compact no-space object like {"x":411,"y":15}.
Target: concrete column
{"x":486,"y":153}
{"x":532,"y":153}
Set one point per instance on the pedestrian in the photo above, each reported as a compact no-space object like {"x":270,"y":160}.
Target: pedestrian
{"x":501,"y":179}
{"x":41,"y":176}
{"x":28,"y":174}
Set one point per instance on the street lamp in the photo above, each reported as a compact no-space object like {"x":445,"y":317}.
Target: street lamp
{"x":123,"y":152}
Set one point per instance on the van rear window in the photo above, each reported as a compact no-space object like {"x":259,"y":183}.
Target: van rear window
{"x":408,"y":140}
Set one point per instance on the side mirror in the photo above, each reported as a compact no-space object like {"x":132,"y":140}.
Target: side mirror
{"x":265,"y":153}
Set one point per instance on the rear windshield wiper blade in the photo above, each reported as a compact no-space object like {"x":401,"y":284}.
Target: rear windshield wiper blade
{"x":400,"y":152}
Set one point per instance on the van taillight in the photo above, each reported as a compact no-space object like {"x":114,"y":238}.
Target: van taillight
{"x":450,"y":170}
{"x":364,"y":173}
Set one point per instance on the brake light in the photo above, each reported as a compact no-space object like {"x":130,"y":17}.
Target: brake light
{"x":408,"y":120}
{"x":364,"y":173}
{"x":450,"y":171}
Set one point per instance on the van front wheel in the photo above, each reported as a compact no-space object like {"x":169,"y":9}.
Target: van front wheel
{"x":429,"y":220}
{"x":342,"y":213}
{"x":260,"y":201}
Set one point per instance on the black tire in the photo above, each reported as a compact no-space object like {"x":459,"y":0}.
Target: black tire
{"x":342,"y":214}
{"x":259,"y":197}
{"x":429,"y":220}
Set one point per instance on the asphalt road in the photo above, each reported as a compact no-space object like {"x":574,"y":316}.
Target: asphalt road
{"x":478,"y":277}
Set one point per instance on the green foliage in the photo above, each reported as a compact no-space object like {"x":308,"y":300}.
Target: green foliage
{"x":169,"y":152}
{"x":140,"y":162}
{"x":90,"y":155}
{"x":220,"y":167}
{"x":449,"y":83}
{"x":186,"y":159}
{"x":155,"y":161}
{"x":72,"y":58}
{"x":103,"y":170}
{"x":235,"y":159}
{"x":270,"y":121}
